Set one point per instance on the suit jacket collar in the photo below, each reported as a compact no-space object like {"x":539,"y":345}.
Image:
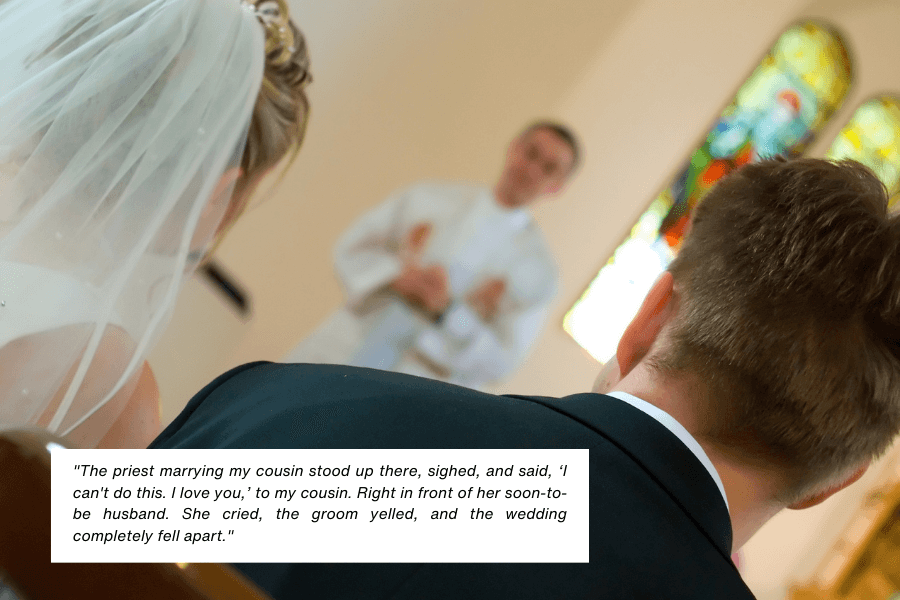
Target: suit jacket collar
{"x":662,"y":455}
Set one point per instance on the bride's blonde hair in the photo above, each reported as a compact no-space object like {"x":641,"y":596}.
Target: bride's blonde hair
{"x":281,"y":113}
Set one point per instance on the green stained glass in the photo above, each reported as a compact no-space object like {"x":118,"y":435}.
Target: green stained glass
{"x":779,"y":109}
{"x":872,"y":137}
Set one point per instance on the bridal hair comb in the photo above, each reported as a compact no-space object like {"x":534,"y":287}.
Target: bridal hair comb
{"x":275,"y":17}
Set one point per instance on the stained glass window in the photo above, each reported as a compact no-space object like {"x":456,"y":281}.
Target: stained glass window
{"x":784,"y":103}
{"x":872,"y":137}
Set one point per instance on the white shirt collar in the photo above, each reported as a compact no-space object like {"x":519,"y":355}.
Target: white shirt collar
{"x":669,"y":422}
{"x":513,"y":218}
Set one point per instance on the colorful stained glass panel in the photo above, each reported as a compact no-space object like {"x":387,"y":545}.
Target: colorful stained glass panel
{"x":779,"y":109}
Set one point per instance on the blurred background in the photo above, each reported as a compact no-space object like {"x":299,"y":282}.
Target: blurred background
{"x":409,"y":90}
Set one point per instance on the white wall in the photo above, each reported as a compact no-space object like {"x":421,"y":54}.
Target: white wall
{"x":411,"y":89}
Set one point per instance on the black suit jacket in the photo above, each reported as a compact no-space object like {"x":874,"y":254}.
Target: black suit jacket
{"x":658,"y":525}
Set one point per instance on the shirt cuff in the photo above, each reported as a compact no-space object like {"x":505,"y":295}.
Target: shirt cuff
{"x":375,"y":276}
{"x":433,"y":346}
{"x":460,"y":321}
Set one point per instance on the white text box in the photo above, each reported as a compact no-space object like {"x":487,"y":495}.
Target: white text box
{"x":319,"y":506}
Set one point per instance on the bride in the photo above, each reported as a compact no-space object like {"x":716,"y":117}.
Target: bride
{"x":132,"y":134}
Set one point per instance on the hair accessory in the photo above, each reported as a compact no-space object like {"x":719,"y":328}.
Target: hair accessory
{"x":275,"y":17}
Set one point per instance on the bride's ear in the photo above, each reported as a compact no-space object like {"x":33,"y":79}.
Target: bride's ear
{"x":228,"y":179}
{"x":226,"y":187}
{"x":221,"y":209}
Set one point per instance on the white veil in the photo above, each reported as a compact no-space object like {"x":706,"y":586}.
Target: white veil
{"x":118,"y":119}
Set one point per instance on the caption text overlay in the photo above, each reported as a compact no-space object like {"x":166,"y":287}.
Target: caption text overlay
{"x":319,"y":506}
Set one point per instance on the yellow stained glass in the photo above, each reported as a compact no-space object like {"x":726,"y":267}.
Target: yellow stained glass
{"x":872,"y":137}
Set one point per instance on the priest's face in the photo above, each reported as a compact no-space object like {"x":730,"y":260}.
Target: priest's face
{"x":538,"y":163}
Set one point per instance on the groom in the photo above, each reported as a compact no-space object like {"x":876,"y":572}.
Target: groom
{"x":762,"y":372}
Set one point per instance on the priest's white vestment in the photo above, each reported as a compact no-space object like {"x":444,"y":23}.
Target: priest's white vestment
{"x":475,"y":240}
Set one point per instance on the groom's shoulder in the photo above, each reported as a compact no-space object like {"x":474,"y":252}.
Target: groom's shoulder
{"x":295,"y":387}
{"x":318,"y":405}
{"x":331,"y":379}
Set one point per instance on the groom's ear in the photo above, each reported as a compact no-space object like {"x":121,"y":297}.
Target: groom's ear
{"x":608,"y":377}
{"x":651,"y":317}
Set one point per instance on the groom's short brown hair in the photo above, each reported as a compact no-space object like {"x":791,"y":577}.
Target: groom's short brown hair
{"x":788,"y":287}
